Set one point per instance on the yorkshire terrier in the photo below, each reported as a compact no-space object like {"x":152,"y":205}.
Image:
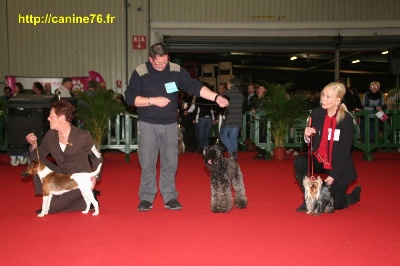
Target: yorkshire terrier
{"x":317,"y":195}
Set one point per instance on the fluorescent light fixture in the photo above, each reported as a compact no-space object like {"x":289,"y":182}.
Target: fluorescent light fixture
{"x":239,"y":53}
{"x":355,"y":61}
{"x":293,"y":58}
{"x":385,"y":52}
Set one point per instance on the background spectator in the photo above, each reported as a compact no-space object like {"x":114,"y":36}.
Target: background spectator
{"x":7,"y":95}
{"x":47,"y":88}
{"x":65,"y":89}
{"x":18,"y":88}
{"x":37,"y":88}
{"x":372,"y":100}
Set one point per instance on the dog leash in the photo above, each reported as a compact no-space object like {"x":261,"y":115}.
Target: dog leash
{"x":37,"y":151}
{"x":310,"y":155}
{"x":219,"y":125}
{"x":205,"y":104}
{"x":37,"y":147}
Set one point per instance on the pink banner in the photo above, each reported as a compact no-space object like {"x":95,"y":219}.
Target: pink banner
{"x":80,"y":83}
{"x":96,"y":76}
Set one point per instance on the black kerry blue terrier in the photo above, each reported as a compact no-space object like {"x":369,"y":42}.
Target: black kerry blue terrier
{"x":225,"y":174}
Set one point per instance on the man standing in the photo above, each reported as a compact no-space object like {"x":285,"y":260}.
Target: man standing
{"x":261,"y":91}
{"x":248,"y":102}
{"x":7,"y":95}
{"x":348,"y":98}
{"x":153,"y":89}
{"x":233,"y":121}
{"x":221,"y":89}
{"x":47,"y":88}
{"x":65,"y":89}
{"x":250,"y":97}
{"x":93,"y":87}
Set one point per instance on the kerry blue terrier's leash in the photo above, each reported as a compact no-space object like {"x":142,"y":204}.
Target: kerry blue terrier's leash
{"x":219,"y":126}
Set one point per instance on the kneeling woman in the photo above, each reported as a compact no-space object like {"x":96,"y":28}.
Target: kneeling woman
{"x":331,"y":132}
{"x":73,"y":150}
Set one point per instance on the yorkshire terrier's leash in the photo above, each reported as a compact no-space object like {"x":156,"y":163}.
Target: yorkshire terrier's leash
{"x":310,"y":154}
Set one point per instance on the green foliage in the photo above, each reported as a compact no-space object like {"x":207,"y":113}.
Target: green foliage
{"x":94,"y":110}
{"x":395,"y":91}
{"x":282,"y":110}
{"x":3,"y":111}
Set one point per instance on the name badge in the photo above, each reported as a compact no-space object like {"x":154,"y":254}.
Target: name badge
{"x":336,"y":135}
{"x":171,"y":87}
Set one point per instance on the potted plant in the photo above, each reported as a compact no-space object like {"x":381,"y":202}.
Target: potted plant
{"x":94,"y":110}
{"x":393,"y":101}
{"x":283,"y":112}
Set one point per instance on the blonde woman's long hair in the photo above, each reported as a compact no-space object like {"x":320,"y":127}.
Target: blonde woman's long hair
{"x":339,"y":90}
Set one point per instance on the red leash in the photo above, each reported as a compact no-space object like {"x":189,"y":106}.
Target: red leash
{"x":310,"y":155}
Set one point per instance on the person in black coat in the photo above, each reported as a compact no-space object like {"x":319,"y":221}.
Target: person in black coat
{"x":250,"y":97}
{"x":348,"y":97}
{"x":331,"y":153}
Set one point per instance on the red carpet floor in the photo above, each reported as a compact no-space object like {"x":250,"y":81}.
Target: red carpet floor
{"x":268,"y":232}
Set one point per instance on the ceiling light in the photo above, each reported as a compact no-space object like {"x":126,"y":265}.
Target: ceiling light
{"x":239,"y":53}
{"x":293,"y":58}
{"x":355,"y":61}
{"x":385,"y":52}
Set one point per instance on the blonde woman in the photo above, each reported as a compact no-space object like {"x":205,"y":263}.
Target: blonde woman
{"x":331,"y":134}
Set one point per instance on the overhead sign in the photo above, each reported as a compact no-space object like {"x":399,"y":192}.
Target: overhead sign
{"x":139,"y":42}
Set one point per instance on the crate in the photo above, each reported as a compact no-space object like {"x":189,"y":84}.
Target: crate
{"x":225,"y":68}
{"x":211,"y":81}
{"x":208,"y":71}
{"x":223,"y":79}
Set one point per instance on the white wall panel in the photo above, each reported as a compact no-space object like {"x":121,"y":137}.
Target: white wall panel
{"x":58,"y":50}
{"x":291,"y":10}
{"x":138,"y":25}
{"x":55,"y":50}
{"x":3,"y":43}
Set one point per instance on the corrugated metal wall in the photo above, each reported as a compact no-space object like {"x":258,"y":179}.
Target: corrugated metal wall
{"x":54,"y":50}
{"x":3,"y":43}
{"x":138,"y":25}
{"x":265,"y":10}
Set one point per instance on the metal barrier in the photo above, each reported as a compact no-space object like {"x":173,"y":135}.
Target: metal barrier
{"x":386,"y":134}
{"x":123,"y":134}
{"x":260,"y":133}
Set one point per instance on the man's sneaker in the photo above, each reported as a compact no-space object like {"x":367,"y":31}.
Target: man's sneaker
{"x":144,"y":205}
{"x":173,"y":205}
